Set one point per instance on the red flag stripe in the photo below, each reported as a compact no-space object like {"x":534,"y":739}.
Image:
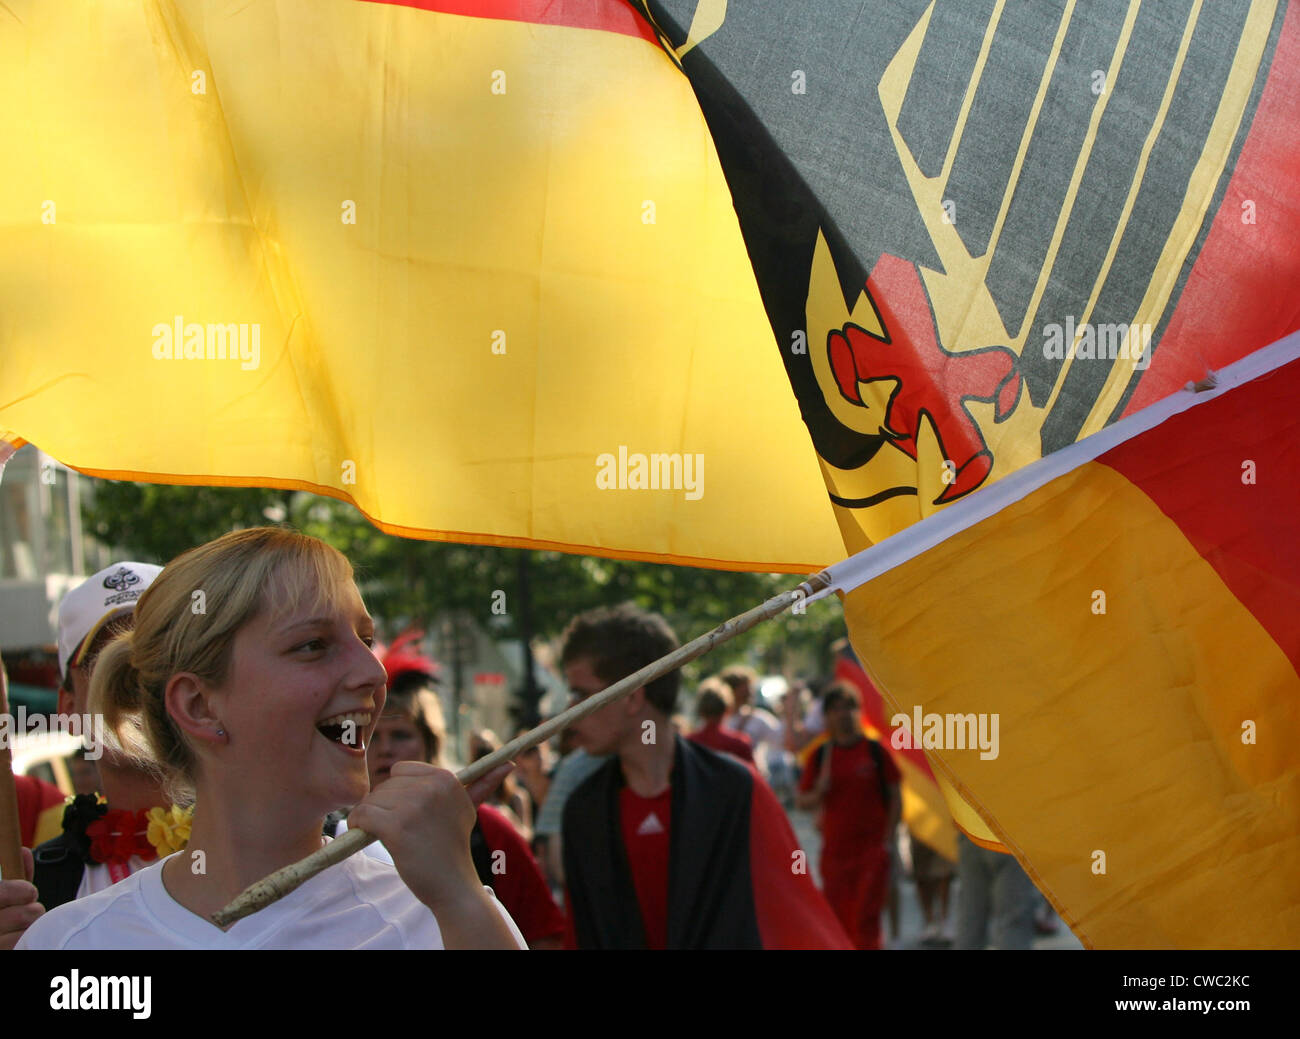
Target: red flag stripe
{"x":1215,"y":323}
{"x":606,"y":15}
{"x":1240,"y":520}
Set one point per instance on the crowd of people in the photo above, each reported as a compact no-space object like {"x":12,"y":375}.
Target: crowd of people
{"x":252,"y":723}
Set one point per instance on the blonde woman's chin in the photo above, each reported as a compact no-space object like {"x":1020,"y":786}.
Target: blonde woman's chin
{"x":341,"y":776}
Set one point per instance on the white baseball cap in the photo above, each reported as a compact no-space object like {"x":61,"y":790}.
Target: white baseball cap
{"x":97,"y":600}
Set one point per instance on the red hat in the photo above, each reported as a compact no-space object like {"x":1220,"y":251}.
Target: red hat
{"x":399,"y":660}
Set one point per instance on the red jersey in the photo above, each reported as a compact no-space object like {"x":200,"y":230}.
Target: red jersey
{"x":517,"y":879}
{"x":715,"y":737}
{"x":739,"y":878}
{"x":853,"y":814}
{"x":646,"y":827}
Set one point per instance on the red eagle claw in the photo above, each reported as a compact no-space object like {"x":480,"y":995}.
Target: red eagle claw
{"x":932,"y":381}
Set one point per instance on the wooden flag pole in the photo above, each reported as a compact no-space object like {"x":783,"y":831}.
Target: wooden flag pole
{"x":277,"y":885}
{"x":11,"y":839}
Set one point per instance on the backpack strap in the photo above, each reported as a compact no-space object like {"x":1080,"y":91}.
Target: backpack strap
{"x":59,"y":868}
{"x":878,"y":759}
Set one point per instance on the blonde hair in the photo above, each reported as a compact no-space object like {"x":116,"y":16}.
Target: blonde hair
{"x":187,"y":621}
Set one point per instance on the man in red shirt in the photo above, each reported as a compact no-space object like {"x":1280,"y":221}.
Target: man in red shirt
{"x":854,"y":783}
{"x":670,"y":845}
{"x":712,"y":705}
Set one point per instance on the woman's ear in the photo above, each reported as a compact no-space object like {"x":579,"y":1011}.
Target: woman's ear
{"x":189,"y":704}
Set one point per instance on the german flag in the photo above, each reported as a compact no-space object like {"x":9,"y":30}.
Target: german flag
{"x":984,"y":231}
{"x":1124,"y":618}
{"x":984,"y":234}
{"x":475,"y":267}
{"x":471,"y":266}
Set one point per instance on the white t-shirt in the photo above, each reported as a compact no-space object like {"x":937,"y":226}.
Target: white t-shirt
{"x":759,"y":725}
{"x":360,"y":903}
{"x":764,"y":732}
{"x":96,"y":877}
{"x":375,"y":849}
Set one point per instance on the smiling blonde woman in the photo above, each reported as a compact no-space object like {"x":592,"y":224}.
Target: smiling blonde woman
{"x":249,"y":680}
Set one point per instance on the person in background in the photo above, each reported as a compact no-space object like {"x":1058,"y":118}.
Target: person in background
{"x":99,"y":844}
{"x":712,"y":704}
{"x":40,"y":804}
{"x":801,"y":716}
{"x":40,"y":810}
{"x":996,"y":900}
{"x":760,"y":727}
{"x":406,"y":667}
{"x":533,"y":773}
{"x":412,"y":728}
{"x":933,"y":874}
{"x":511,"y":799}
{"x":575,"y":765}
{"x":84,"y":774}
{"x":670,"y":845}
{"x":851,"y":780}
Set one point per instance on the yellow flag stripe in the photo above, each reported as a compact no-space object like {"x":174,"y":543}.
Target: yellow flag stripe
{"x":457,"y":285}
{"x":1197,"y":831}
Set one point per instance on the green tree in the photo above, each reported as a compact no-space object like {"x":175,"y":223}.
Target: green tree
{"x":407,"y":581}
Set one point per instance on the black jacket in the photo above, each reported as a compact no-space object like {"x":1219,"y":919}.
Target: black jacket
{"x":710,"y":890}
